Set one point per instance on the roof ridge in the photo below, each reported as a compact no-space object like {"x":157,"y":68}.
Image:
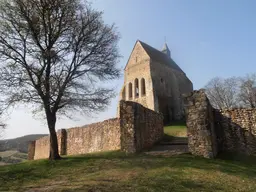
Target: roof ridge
{"x":150,"y":46}
{"x":159,"y":56}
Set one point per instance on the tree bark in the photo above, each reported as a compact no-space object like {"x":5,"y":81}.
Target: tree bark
{"x":54,"y":150}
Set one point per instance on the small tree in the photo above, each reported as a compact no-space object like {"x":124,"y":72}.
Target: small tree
{"x":247,"y":93}
{"x":222,"y":93}
{"x":53,"y":53}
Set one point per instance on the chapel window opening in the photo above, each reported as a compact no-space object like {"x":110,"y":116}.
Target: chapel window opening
{"x":130,"y":90}
{"x":136,"y":87}
{"x":123,"y":93}
{"x":143,"y":87}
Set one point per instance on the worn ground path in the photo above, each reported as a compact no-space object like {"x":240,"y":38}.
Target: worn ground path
{"x":178,"y":145}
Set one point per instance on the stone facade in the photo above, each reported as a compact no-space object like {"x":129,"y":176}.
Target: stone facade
{"x":154,"y":80}
{"x":137,"y":129}
{"x":211,"y":131}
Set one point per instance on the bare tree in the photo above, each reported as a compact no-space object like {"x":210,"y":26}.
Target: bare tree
{"x":53,"y":54}
{"x":222,"y":93}
{"x":247,"y":93}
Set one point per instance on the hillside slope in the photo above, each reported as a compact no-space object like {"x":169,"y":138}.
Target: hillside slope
{"x":11,"y":157}
{"x":20,"y":143}
{"x":115,"y":171}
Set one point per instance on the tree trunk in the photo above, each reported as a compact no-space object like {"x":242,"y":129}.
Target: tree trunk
{"x":54,"y":151}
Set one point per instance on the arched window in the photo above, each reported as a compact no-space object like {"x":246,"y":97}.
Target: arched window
{"x":123,"y":93}
{"x":136,"y":89}
{"x":143,"y":87}
{"x":130,"y":90}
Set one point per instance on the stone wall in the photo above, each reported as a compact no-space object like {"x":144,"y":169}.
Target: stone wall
{"x":211,"y":131}
{"x":31,"y":150}
{"x":137,"y":129}
{"x":141,"y":128}
{"x":96,"y":137}
{"x":42,"y":146}
{"x":236,"y":130}
{"x":200,"y":125}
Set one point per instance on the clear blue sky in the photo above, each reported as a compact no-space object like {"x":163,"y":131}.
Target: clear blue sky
{"x":207,"y":38}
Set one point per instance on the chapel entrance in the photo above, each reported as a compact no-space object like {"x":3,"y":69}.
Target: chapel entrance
{"x":165,"y":109}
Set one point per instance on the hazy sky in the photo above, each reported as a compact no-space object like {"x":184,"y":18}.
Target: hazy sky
{"x":206,"y":38}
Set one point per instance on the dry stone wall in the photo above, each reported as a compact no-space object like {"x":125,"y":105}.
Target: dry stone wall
{"x":138,"y":128}
{"x":200,"y":125}
{"x":42,"y":146}
{"x":211,"y":131}
{"x":141,"y":128}
{"x":236,"y":130}
{"x":31,"y":150}
{"x":103,"y":136}
{"x":96,"y":137}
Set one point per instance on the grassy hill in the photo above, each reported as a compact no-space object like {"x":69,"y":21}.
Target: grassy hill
{"x":115,"y":171}
{"x":11,"y":157}
{"x":19,"y":144}
{"x":15,"y":150}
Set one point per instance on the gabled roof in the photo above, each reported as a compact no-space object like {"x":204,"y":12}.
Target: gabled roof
{"x":160,"y":57}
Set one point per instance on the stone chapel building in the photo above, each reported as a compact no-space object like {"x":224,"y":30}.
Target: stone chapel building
{"x":153,"y":79}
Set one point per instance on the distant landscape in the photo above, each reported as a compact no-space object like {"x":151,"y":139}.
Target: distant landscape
{"x":15,"y":150}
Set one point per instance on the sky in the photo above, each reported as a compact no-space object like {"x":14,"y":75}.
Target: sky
{"x":207,"y":38}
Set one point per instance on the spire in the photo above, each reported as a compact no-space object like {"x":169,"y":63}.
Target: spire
{"x":166,"y":50}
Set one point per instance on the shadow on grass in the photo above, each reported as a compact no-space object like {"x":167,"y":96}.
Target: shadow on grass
{"x":161,"y":182}
{"x":170,"y":138}
{"x":177,"y":123}
{"x":229,"y":163}
{"x":167,"y":138}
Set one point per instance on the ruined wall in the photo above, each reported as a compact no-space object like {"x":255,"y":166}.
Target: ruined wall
{"x":137,"y":129}
{"x":141,"y":128}
{"x":42,"y":146}
{"x":211,"y":131}
{"x":236,"y":130}
{"x":31,"y":150}
{"x":96,"y":137}
{"x":200,"y":125}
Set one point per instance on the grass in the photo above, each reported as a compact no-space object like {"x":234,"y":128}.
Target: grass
{"x":176,"y":129}
{"x":115,"y":171}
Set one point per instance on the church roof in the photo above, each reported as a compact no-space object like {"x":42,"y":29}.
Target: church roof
{"x":160,"y":57}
